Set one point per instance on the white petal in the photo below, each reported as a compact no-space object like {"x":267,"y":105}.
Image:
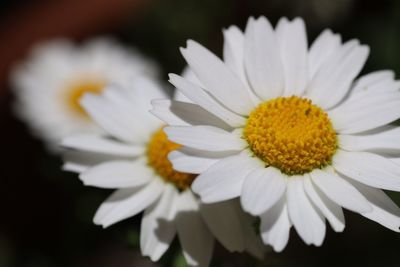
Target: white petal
{"x":80,"y":161}
{"x":395,"y":160}
{"x":332,"y":212}
{"x":253,"y":242}
{"x":340,"y":191}
{"x":383,"y":142}
{"x":275,"y":226}
{"x":332,"y":82}
{"x":158,"y":227}
{"x":233,"y":53}
{"x":141,"y":90}
{"x":196,"y":240}
{"x":136,"y":107}
{"x":178,"y":113}
{"x":262,"y":59}
{"x":113,"y":120}
{"x":224,"y":179}
{"x":162,"y":110}
{"x":369,"y":169}
{"x":364,"y":112}
{"x":262,"y":188}
{"x":178,"y":96}
{"x":217,"y":78}
{"x":223,"y":220}
{"x":103,"y":145}
{"x":233,"y":50}
{"x":292,"y":39}
{"x":194,"y":161}
{"x":307,"y":221}
{"x":128,"y":202}
{"x":188,"y":74}
{"x":372,"y":80}
{"x":205,"y":138}
{"x":385,"y":211}
{"x":388,"y":85}
{"x":321,"y":49}
{"x":118,"y":174}
{"x":203,"y":99}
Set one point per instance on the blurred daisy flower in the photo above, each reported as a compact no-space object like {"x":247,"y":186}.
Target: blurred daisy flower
{"x":293,"y":134}
{"x":49,"y":84}
{"x":132,"y":158}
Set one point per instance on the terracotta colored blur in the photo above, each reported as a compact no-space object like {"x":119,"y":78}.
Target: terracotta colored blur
{"x":46,"y":19}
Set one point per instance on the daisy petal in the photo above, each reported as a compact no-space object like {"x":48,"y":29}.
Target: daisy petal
{"x":388,"y":85}
{"x":135,"y":103}
{"x":224,"y":179}
{"x":141,"y":90}
{"x":188,"y":75}
{"x":262,"y":59}
{"x":205,"y":138}
{"x":262,"y":188}
{"x":183,"y":114}
{"x":233,"y":50}
{"x":162,"y":110}
{"x":217,"y":78}
{"x":113,"y":119}
{"x":127,"y":202}
{"x":80,"y":161}
{"x":364,"y":112}
{"x":372,"y":80}
{"x":369,"y":169}
{"x":193,"y":160}
{"x":385,"y":211}
{"x":224,"y":223}
{"x":253,"y":242}
{"x":332,"y":82}
{"x":321,"y":49}
{"x":275,"y":226}
{"x":157,"y":227}
{"x":196,"y":240}
{"x":118,"y":174}
{"x":332,"y":212}
{"x":340,"y":191}
{"x":395,"y":160}
{"x":309,"y":224}
{"x":203,"y":99}
{"x":384,"y":142}
{"x":233,"y":53}
{"x":102,"y":145}
{"x":292,"y":39}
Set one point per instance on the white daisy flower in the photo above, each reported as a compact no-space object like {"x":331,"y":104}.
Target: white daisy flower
{"x":49,"y":84}
{"x":296,"y":138}
{"x":132,"y":158}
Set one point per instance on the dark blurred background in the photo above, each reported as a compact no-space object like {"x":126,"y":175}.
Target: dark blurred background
{"x":46,"y":214}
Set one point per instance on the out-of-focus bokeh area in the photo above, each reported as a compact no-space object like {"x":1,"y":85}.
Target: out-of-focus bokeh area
{"x":46,"y":214}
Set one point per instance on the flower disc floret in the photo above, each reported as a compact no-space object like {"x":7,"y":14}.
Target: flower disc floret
{"x":291,"y":134}
{"x":157,"y":154}
{"x":78,"y":89}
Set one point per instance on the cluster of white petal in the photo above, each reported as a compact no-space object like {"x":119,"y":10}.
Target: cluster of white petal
{"x":118,"y":160}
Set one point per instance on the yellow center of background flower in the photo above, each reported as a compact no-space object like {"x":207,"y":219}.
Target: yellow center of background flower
{"x":291,"y":134}
{"x":77,"y":90}
{"x":157,"y":155}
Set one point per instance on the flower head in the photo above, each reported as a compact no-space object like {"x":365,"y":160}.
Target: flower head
{"x":287,"y":129}
{"x":51,"y":82}
{"x":132,"y":158}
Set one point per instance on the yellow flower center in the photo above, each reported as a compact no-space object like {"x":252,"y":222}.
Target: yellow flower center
{"x":157,"y":154}
{"x":76,"y":90}
{"x":291,"y":134}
